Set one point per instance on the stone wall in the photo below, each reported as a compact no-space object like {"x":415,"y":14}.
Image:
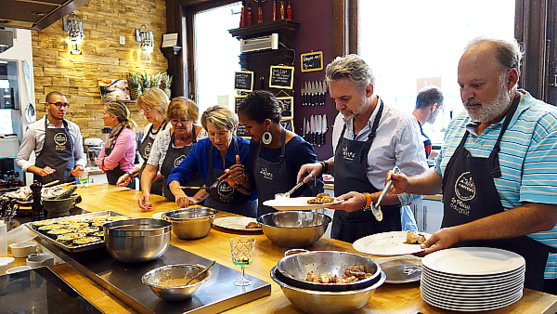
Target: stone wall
{"x":104,"y":21}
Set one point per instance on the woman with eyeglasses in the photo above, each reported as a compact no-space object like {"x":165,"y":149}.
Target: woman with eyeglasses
{"x":153,"y":104}
{"x":210,"y":157}
{"x":276,"y":154}
{"x":171,"y":147}
{"x":118,"y":153}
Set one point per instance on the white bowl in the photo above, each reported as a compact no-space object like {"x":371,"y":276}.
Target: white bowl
{"x":38,"y":260}
{"x":23,"y":249}
{"x":17,"y":269}
{"x":5,"y":263}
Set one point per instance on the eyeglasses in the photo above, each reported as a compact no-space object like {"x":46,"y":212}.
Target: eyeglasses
{"x":220,"y":135}
{"x":59,"y":104}
{"x":147,"y":109}
{"x":175,"y":121}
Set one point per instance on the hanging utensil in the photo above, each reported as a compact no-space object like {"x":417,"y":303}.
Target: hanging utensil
{"x":376,"y":208}
{"x":200,"y":273}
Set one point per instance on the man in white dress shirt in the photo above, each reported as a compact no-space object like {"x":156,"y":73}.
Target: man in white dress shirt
{"x":369,"y":139}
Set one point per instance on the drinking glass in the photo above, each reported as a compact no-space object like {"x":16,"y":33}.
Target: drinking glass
{"x":84,"y":178}
{"x":242,"y":249}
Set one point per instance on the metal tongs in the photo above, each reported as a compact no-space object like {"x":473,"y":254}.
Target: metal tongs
{"x":376,"y":208}
{"x":292,"y":190}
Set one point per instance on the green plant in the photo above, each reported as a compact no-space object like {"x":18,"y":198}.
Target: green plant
{"x":134,"y":80}
{"x":146,"y":80}
{"x":166,"y":81}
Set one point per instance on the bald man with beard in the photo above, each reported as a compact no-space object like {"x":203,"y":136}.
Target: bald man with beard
{"x":497,"y":167}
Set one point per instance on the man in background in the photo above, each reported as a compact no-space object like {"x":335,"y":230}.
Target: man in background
{"x":428,"y":104}
{"x":57,"y":143}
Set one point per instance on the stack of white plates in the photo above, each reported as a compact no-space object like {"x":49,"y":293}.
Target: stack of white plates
{"x":471,"y":279}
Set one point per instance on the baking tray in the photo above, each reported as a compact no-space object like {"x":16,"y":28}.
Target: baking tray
{"x":77,"y":248}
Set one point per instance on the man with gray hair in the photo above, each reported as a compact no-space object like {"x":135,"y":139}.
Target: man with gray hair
{"x":429,"y":103}
{"x":369,"y":139}
{"x":497,"y":166}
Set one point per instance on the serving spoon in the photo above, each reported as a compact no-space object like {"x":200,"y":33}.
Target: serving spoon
{"x":200,"y":273}
{"x":376,"y":208}
{"x":292,"y":190}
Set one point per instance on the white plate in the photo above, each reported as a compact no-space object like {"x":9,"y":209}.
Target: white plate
{"x":296,"y":203}
{"x":235,"y":223}
{"x":401,"y":269}
{"x":157,"y":215}
{"x":473,"y":261}
{"x":388,"y":244}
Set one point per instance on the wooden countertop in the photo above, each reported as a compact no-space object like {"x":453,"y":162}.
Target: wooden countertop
{"x":404,"y":298}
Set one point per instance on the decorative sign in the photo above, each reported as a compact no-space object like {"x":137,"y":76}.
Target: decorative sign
{"x":169,"y":40}
{"x":287,"y":103}
{"x":281,"y":77}
{"x":288,"y":124}
{"x":312,"y":61}
{"x":243,"y":81}
{"x":237,"y":101}
{"x":112,"y":90}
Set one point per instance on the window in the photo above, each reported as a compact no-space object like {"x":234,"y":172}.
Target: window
{"x":216,"y":55}
{"x":410,"y":44}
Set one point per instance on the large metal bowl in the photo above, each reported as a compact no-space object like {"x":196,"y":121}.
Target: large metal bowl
{"x":294,"y":229}
{"x":167,"y":282}
{"x":137,"y":240}
{"x":311,"y":301}
{"x":192,"y":222}
{"x":294,"y":268}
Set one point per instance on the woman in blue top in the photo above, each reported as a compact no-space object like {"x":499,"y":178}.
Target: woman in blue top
{"x":275,"y":154}
{"x":210,"y":157}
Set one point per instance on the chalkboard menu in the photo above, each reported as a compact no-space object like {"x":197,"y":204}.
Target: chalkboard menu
{"x":287,"y":103}
{"x":241,"y":130}
{"x":237,"y":101}
{"x":281,"y":77}
{"x":243,"y":81}
{"x":312,"y":61}
{"x":288,"y":124}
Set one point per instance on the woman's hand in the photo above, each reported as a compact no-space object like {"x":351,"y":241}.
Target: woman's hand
{"x":237,"y":175}
{"x":185,"y":201}
{"x":309,"y":171}
{"x":124,"y":180}
{"x":144,"y":204}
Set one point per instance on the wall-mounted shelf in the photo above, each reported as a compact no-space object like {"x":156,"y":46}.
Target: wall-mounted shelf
{"x":283,"y":27}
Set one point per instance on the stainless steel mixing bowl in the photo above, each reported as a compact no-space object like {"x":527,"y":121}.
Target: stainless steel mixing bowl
{"x":294,"y":269}
{"x":137,"y":240}
{"x":192,"y":222}
{"x":294,"y":229}
{"x":311,"y":301}
{"x":159,"y":280}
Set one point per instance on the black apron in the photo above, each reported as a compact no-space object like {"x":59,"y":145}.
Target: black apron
{"x":270,"y":177}
{"x":470,"y":193}
{"x":351,"y":175}
{"x":174,"y":156}
{"x":224,"y":197}
{"x":114,"y":174}
{"x":57,"y":153}
{"x":144,"y":151}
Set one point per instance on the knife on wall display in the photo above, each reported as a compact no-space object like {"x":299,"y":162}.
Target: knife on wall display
{"x":323,"y":128}
{"x":319,"y":130}
{"x":308,"y":130}
{"x":304,"y":129}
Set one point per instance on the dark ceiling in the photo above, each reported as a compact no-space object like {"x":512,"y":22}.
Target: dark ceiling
{"x":35,"y":14}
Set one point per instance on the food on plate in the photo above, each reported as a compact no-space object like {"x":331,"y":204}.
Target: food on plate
{"x":322,"y":198}
{"x":69,"y":237}
{"x":253,"y":225}
{"x":413,"y":237}
{"x":351,"y":274}
{"x":86,"y":240}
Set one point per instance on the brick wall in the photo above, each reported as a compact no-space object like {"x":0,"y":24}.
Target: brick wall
{"x":104,"y":21}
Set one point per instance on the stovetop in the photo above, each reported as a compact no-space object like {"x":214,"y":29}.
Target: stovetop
{"x":40,"y":291}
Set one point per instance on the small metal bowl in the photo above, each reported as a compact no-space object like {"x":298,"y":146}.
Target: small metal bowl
{"x":294,"y":229}
{"x":293,"y":270}
{"x":167,"y":282}
{"x":311,"y":301}
{"x":192,"y":222}
{"x":137,"y":240}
